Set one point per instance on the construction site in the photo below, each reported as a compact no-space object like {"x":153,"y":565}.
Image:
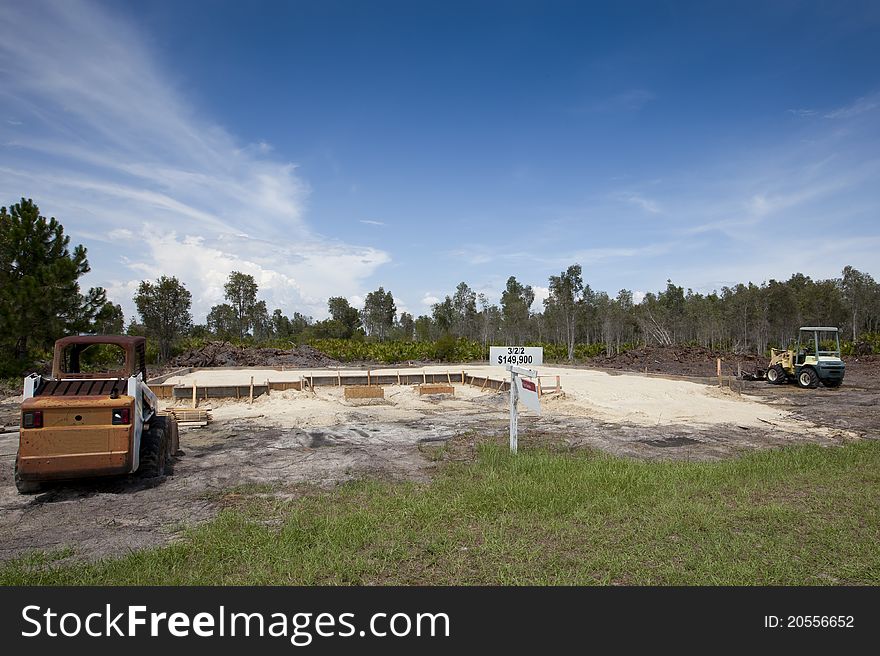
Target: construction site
{"x":285,"y":428}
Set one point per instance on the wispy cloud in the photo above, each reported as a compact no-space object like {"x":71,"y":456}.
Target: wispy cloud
{"x":631,"y":100}
{"x":860,"y":106}
{"x":106,"y":142}
{"x":776,"y":194}
{"x":803,"y":113}
{"x":476,"y":254}
{"x":647,"y":204}
{"x":372,"y":223}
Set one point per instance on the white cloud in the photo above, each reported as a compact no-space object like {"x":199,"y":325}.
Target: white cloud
{"x":114,"y":150}
{"x":120,"y":234}
{"x":540,"y":294}
{"x":429,"y":299}
{"x":638,"y":297}
{"x":372,"y":223}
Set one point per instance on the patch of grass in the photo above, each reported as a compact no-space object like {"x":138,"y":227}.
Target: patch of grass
{"x":805,"y":515}
{"x":243,"y":490}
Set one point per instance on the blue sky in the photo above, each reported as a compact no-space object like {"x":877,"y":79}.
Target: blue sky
{"x":328,"y":148}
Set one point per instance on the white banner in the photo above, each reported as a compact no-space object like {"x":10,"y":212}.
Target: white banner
{"x":528,"y":394}
{"x":519,"y":355}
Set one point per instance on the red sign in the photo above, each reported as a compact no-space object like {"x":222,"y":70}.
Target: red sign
{"x":529,"y":385}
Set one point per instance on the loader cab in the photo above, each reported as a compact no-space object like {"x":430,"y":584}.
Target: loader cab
{"x":817,"y":358}
{"x":816,"y":343}
{"x":99,"y":356}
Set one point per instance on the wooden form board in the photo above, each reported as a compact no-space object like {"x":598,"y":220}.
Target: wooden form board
{"x":371,"y":378}
{"x":436,"y":389}
{"x":364,"y":392}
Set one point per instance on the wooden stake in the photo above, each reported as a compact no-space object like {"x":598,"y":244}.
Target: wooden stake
{"x":424,"y":376}
{"x":718,"y":366}
{"x":463,"y":380}
{"x":485,"y":381}
{"x":448,"y":379}
{"x":398,"y":376}
{"x":251,"y":395}
{"x":558,"y":385}
{"x":267,"y":387}
{"x":338,"y":379}
{"x":195,"y":400}
{"x":539,"y":387}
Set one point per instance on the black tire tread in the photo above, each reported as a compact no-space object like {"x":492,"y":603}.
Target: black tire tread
{"x":782,"y":376}
{"x":154,"y":446}
{"x":814,"y":378}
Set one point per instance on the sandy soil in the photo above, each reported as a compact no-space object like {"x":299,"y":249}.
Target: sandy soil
{"x":291,"y":439}
{"x":631,"y":399}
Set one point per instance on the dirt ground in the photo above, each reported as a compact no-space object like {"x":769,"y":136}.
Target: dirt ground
{"x":698,"y":361}
{"x":282,"y":444}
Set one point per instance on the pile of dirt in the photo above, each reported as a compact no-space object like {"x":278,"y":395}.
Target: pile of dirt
{"x":679,"y":360}
{"x":224,"y":354}
{"x":863,"y":370}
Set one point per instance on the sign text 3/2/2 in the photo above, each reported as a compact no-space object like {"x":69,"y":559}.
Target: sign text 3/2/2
{"x":516,"y":355}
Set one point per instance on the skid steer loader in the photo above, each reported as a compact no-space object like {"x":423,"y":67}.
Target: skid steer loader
{"x":95,"y":416}
{"x":815,"y":359}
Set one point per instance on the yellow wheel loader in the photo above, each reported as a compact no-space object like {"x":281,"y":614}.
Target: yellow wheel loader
{"x":815,"y":359}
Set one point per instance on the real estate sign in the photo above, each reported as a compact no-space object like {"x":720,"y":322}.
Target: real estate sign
{"x":522,"y":356}
{"x":527,"y":392}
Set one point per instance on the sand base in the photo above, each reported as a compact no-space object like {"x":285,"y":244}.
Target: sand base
{"x":628,"y":399}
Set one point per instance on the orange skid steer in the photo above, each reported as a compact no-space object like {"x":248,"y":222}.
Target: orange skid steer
{"x":95,"y":416}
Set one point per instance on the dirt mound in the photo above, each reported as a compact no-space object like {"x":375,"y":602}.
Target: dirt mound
{"x":681,"y":360}
{"x":863,"y":370}
{"x":224,"y":354}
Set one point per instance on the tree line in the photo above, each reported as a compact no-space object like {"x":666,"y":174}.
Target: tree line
{"x":40,"y":300}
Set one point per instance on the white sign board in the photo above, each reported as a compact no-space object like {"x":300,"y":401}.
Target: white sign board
{"x":525,"y":389}
{"x":523,"y":356}
{"x":527,"y":392}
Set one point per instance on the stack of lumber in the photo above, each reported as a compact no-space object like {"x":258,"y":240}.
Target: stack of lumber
{"x":190,"y":417}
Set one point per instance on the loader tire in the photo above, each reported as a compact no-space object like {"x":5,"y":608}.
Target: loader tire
{"x":776,"y":375}
{"x":26,"y":487}
{"x":807,"y":378}
{"x":154,"y":449}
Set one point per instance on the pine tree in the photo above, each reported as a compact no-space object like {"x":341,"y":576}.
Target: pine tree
{"x":164,"y":309}
{"x":40,"y":298}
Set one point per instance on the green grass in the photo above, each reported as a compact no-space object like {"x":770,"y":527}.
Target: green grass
{"x":805,"y":515}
